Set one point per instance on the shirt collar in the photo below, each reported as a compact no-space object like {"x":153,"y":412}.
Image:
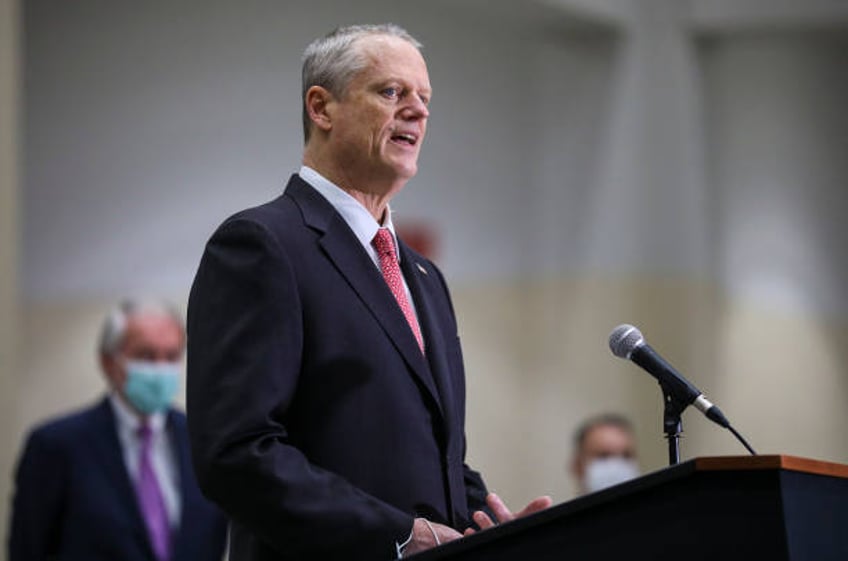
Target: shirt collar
{"x":353,"y":212}
{"x":128,"y":420}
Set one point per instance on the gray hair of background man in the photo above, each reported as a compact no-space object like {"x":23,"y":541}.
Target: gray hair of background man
{"x":332,"y":61}
{"x":115,"y":324}
{"x":606,"y":419}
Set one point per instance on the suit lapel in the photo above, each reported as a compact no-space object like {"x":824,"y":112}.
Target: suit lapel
{"x":420,"y":282}
{"x":350,"y":259}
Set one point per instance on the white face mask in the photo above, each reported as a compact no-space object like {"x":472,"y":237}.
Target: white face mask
{"x":606,"y":472}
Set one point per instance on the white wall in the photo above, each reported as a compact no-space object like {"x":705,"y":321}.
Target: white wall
{"x":779,"y":138}
{"x":156,"y":122}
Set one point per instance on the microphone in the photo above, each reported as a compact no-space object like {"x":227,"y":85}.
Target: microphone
{"x":627,"y":342}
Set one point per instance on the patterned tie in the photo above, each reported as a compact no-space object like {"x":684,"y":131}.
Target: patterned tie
{"x":385,"y":246}
{"x":151,"y":501}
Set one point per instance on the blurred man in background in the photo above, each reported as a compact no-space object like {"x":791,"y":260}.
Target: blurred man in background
{"x":604,"y":453}
{"x":114,"y":481}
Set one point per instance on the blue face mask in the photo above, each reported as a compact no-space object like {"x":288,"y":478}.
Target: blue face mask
{"x":151,"y":386}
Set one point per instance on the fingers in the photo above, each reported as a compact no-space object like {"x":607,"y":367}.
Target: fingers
{"x":537,"y":504}
{"x":445,"y":533}
{"x":502,"y":513}
{"x":482,"y":520}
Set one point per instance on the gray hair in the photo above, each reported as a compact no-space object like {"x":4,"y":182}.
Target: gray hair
{"x":332,"y":61}
{"x":114,"y":326}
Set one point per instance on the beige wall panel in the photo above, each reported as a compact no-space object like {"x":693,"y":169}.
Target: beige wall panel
{"x":783,"y":380}
{"x":537,"y":362}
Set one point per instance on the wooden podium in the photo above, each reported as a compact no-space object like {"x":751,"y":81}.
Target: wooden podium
{"x":753,"y":508}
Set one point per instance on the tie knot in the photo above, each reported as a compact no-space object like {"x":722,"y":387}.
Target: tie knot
{"x":383,"y":242}
{"x":144,"y":432}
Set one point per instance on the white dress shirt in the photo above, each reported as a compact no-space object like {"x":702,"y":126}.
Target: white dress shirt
{"x":359,"y":219}
{"x":162,"y":453}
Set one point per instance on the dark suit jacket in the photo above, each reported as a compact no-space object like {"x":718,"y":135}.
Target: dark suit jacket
{"x":315,"y":420}
{"x":74,"y":499}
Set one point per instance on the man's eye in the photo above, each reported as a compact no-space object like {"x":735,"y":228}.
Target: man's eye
{"x":391,"y":92}
{"x":144,"y":354}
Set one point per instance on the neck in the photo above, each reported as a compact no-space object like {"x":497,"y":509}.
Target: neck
{"x":129,"y":407}
{"x":372,"y":193}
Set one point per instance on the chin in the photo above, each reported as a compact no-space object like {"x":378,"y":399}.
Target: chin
{"x":406,"y":170}
{"x":400,"y":174}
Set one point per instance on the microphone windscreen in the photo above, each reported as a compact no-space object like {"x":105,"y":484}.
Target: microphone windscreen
{"x":624,"y":339}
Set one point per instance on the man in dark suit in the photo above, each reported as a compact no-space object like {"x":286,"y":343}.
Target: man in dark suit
{"x":114,"y":481}
{"x":326,"y":391}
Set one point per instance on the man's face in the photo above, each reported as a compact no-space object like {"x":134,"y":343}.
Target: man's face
{"x":602,"y":442}
{"x":607,"y":457}
{"x":379,"y":123}
{"x":149,"y":337}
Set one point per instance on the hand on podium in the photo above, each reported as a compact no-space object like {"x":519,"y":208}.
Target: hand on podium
{"x":503,"y":514}
{"x":426,"y":534}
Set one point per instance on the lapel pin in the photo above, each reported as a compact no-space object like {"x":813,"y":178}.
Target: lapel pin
{"x":421,"y":268}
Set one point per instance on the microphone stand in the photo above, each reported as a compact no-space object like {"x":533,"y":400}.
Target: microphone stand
{"x":672,"y":425}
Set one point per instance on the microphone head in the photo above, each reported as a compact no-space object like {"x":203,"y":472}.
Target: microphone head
{"x":625,"y":339}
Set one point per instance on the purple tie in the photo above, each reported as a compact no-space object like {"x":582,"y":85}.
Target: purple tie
{"x":151,"y":501}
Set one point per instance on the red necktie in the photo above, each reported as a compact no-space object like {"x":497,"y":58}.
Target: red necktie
{"x":385,"y":245}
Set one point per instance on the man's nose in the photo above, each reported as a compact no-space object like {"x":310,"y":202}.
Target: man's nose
{"x":416,"y":109}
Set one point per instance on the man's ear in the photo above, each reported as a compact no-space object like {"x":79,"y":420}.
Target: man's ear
{"x":112,"y":369}
{"x":107,"y":362}
{"x":317,"y":102}
{"x":576,"y":466}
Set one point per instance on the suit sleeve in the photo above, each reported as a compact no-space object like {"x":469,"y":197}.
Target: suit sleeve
{"x":38,"y":500}
{"x":475,"y":487}
{"x":245,"y":339}
{"x":476,"y":491}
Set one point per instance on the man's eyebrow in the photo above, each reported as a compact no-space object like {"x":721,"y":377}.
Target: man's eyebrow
{"x":400,"y":80}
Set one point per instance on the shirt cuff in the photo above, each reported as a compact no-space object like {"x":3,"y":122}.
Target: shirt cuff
{"x":399,"y":547}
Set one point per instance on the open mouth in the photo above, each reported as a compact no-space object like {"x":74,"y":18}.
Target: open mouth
{"x":405,"y":138}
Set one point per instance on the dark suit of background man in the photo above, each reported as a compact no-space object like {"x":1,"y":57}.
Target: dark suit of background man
{"x":79,"y":480}
{"x":326,"y":421}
